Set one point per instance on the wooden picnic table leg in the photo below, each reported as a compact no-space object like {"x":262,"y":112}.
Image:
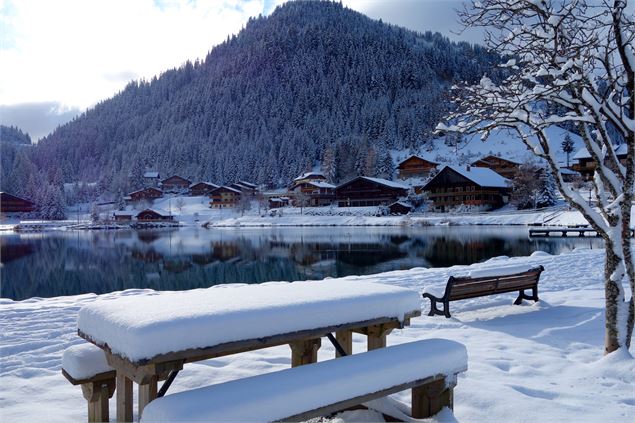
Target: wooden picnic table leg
{"x":97,"y":395}
{"x":124,"y":398}
{"x":429,"y":399}
{"x":345,"y":339}
{"x":377,"y":336}
{"x":147,"y":393}
{"x":305,"y":351}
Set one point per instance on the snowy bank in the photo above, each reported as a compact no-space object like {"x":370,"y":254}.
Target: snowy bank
{"x":539,"y":362}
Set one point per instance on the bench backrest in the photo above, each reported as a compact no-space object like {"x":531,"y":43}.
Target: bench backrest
{"x":462,"y":287}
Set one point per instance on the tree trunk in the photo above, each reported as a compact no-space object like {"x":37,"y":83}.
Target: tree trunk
{"x":619,"y":313}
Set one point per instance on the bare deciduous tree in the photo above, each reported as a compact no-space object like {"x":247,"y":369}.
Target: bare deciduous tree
{"x":570,"y":63}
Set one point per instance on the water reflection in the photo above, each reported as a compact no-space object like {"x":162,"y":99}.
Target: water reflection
{"x":69,"y":263}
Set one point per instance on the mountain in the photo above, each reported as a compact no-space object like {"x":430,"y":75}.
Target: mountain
{"x":314,"y":81}
{"x":14,"y":135}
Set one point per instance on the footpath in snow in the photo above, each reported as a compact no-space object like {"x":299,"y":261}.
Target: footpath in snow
{"x":535,"y":362}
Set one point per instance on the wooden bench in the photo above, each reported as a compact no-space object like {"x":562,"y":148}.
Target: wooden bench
{"x":86,"y":365}
{"x":479,"y":285}
{"x":428,"y":367}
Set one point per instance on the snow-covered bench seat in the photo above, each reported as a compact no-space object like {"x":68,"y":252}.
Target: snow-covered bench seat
{"x":428,"y":367}
{"x":488,"y":281}
{"x":86,"y":365}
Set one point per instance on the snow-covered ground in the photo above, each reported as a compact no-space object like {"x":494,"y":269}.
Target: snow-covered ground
{"x":535,"y":362}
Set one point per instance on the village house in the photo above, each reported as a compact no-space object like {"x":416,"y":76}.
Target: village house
{"x":586,"y":164}
{"x":123,"y":215}
{"x":149,"y":193}
{"x":366,"y":191}
{"x":399,"y":207}
{"x":154,"y":215}
{"x":176,"y":184}
{"x":151,"y":178}
{"x":247,"y":188}
{"x":309,"y":177}
{"x":224,"y":197}
{"x":479,"y":187}
{"x":202,"y":188}
{"x":277,"y":202}
{"x":415,"y":167}
{"x":10,"y":203}
{"x":505,"y":167}
{"x":313,"y":193}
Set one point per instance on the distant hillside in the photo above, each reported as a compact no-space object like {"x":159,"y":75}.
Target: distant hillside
{"x":13,"y":134}
{"x":312,"y":81}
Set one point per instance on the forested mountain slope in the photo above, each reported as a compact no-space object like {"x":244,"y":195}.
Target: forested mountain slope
{"x":313,"y":81}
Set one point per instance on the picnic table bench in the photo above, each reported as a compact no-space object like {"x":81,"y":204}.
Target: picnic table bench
{"x":484,"y":282}
{"x":150,"y":338}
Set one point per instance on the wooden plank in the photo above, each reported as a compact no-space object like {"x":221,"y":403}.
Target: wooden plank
{"x":147,"y":393}
{"x":220,"y":350}
{"x":97,"y":378}
{"x":124,"y":398}
{"x":345,"y":339}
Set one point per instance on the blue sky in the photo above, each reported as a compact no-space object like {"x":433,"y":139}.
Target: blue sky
{"x":61,"y":57}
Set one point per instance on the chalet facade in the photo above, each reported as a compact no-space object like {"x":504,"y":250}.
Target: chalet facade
{"x":365,"y":191}
{"x":151,"y":178}
{"x":123,"y":215}
{"x":313,"y":193}
{"x":145,"y":194}
{"x":277,"y":202}
{"x":586,"y":165}
{"x":154,"y":215}
{"x":478,"y":187}
{"x":13,"y":204}
{"x":202,"y":188}
{"x":175,"y":183}
{"x":399,"y":207}
{"x":505,"y":167}
{"x":247,"y":188}
{"x":224,"y":197}
{"x":415,"y":167}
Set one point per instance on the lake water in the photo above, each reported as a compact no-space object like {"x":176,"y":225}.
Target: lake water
{"x":75,"y":262}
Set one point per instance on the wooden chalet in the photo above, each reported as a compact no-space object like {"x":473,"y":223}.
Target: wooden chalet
{"x":505,"y":167}
{"x":175,"y":183}
{"x":366,"y":191}
{"x":202,"y":188}
{"x":479,"y":187}
{"x":224,"y":197}
{"x":123,"y":215}
{"x":309,"y":177}
{"x":316,"y":193}
{"x":149,"y":193}
{"x":10,"y":203}
{"x":400,"y":207}
{"x":586,"y":165}
{"x":277,"y":202}
{"x":154,"y":215}
{"x":245,"y":187}
{"x":415,"y":166}
{"x":151,"y":178}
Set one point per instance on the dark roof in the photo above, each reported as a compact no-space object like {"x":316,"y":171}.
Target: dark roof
{"x":414,"y":156}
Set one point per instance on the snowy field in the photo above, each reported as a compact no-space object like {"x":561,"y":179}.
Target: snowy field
{"x":528,"y":363}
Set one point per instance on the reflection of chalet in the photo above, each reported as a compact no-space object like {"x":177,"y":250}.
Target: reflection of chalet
{"x":224,"y":197}
{"x":415,"y":166}
{"x":504,"y":167}
{"x":314,"y":193}
{"x":154,"y":215}
{"x":365,"y":191}
{"x":11,"y":204}
{"x":586,"y":164}
{"x":175,"y":183}
{"x":479,"y":187}
{"x":146,"y":194}
{"x":202,"y":188}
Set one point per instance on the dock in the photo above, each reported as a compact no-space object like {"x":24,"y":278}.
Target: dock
{"x":583,"y":231}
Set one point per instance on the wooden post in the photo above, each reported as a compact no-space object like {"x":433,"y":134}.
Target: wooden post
{"x":304,"y":352}
{"x":147,"y":393}
{"x":97,"y":395}
{"x":377,"y":336}
{"x":345,"y":339}
{"x":124,"y":398}
{"x":429,"y":399}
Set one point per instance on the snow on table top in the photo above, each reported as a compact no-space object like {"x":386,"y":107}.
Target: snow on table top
{"x":274,"y":396}
{"x":142,"y":327}
{"x":84,"y":361}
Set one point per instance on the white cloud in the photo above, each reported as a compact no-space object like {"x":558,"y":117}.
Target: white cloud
{"x":78,"y":52}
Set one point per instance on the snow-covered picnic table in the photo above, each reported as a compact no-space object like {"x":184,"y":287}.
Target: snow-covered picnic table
{"x":150,"y":338}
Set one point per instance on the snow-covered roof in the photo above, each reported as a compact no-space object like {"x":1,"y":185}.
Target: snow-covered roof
{"x":157,"y":211}
{"x":401,"y":203}
{"x":206,"y":183}
{"x":151,"y":174}
{"x":145,"y":189}
{"x":247,"y":184}
{"x":497,"y":157}
{"x":567,"y":171}
{"x":123,"y":213}
{"x":482,"y":176}
{"x":320,"y":184}
{"x":229,"y":189}
{"x":309,"y":174}
{"x":386,"y":182}
{"x":583,"y":153}
{"x":416,"y":157}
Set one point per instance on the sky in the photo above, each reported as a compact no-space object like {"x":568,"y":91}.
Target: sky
{"x":58,"y":58}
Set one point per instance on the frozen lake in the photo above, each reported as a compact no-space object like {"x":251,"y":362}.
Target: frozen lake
{"x":75,"y":262}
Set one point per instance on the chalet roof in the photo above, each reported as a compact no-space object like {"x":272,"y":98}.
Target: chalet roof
{"x":158,"y":211}
{"x":583,"y":153}
{"x":481,"y":176}
{"x":10,"y":197}
{"x":151,"y":174}
{"x":145,"y":189}
{"x":386,"y":182}
{"x":321,"y":184}
{"x":401,"y":203}
{"x":310,"y":174}
{"x":247,"y":184}
{"x":566,"y":171}
{"x":414,"y":156}
{"x":205,"y":183}
{"x":175,"y":176}
{"x":123,"y":213}
{"x":493,"y":156}
{"x":225,"y":187}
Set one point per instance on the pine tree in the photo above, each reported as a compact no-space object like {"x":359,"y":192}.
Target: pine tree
{"x":547,"y":195}
{"x":567,"y":146}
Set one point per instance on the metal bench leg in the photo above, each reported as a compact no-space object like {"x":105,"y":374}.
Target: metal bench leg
{"x":434,"y":310}
{"x":522,"y":296}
